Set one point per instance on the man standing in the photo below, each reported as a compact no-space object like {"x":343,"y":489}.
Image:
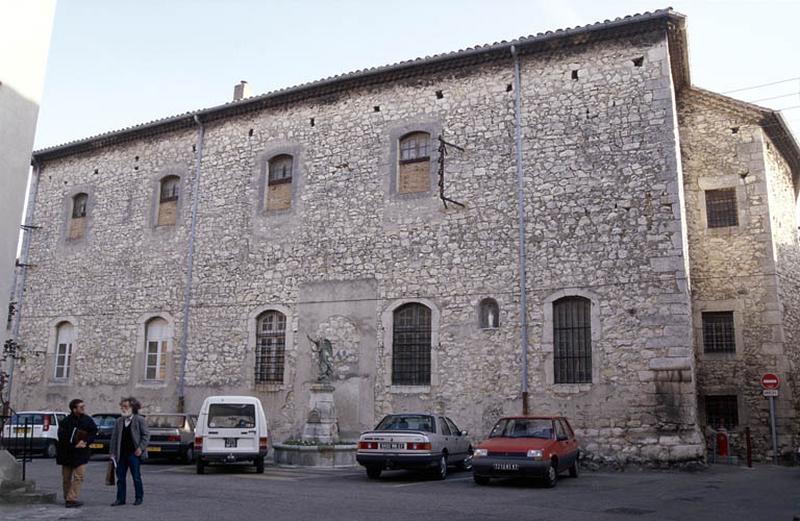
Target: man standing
{"x":128,"y":448}
{"x":74,"y":435}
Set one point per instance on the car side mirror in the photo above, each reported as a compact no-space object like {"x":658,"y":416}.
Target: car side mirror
{"x":464,"y":433}
{"x":562,"y":437}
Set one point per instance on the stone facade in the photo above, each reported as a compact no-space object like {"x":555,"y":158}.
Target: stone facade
{"x":606,"y":215}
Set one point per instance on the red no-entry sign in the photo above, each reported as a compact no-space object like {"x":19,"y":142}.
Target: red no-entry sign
{"x":770,"y":381}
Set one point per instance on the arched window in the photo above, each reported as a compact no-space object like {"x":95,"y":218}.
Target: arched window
{"x":414,"y":172}
{"x":63,"y":361}
{"x":411,"y":345}
{"x":279,"y":182}
{"x":270,"y":347}
{"x":572,"y":340}
{"x":489,"y":314}
{"x":169,"y":192}
{"x":77,"y":223}
{"x":157,"y":334}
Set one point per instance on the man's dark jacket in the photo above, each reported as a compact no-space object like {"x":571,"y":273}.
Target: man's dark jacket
{"x":67,"y":454}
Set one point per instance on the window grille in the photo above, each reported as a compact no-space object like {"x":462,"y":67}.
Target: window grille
{"x":721,"y":209}
{"x":270,"y":347}
{"x":411,"y":345}
{"x":722,"y":411}
{"x":489,"y":314}
{"x":415,"y":147}
{"x":718,"y":332}
{"x":169,"y":188}
{"x":280,"y":169}
{"x":79,"y":206}
{"x":572,"y":340}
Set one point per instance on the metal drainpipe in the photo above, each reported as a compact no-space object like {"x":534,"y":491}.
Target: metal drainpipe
{"x":19,"y":290}
{"x":523,"y":303}
{"x":187,"y":292}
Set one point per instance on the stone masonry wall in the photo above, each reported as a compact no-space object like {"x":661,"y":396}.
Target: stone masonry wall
{"x":734,"y":268}
{"x":604,"y":219}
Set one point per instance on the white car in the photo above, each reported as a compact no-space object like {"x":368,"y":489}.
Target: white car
{"x":231,"y":429}
{"x":35,"y":431}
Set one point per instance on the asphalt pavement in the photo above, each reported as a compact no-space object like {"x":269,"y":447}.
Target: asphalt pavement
{"x":175,"y":492}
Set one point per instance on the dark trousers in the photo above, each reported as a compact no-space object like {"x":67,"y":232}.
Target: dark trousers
{"x":132,"y":462}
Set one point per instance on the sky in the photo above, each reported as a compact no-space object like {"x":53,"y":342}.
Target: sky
{"x":113,"y":64}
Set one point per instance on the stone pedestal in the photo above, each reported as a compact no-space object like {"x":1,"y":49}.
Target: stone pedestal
{"x":321,"y":426}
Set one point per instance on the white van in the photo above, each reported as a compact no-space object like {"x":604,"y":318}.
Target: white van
{"x":41,"y":435}
{"x":231,"y":429}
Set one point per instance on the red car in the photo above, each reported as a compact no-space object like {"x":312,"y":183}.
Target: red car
{"x":527,"y":446}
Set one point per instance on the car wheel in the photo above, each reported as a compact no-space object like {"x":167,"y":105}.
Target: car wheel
{"x":188,"y":456}
{"x":50,"y":450}
{"x":481,"y":480}
{"x":201,"y":466}
{"x":551,"y":478}
{"x":441,"y":469}
{"x":573,"y":469}
{"x":260,"y":465}
{"x":466,"y":463}
{"x":374,"y":472}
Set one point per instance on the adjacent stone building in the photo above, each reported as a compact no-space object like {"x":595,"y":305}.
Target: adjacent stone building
{"x":200,"y":254}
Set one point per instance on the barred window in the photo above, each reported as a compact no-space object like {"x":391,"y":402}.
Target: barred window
{"x":489,"y":314}
{"x":280,"y":169}
{"x":79,"y":205}
{"x":722,"y":411}
{"x":63,"y":361}
{"x":169,"y":188}
{"x":572,"y":340}
{"x":718,"y":332}
{"x":156,"y":348}
{"x":411,"y":345}
{"x":721,"y":209}
{"x":270,"y":347}
{"x":414,"y":173}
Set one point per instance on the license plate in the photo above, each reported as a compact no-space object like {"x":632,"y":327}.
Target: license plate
{"x":392,"y":446}
{"x":95,"y":445}
{"x":21,"y":429}
{"x":153,"y":449}
{"x":506,"y":466}
{"x":230,"y":443}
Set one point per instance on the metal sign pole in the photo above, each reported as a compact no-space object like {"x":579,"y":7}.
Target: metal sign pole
{"x":772,"y":428}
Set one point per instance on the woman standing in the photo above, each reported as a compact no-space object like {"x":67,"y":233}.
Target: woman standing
{"x":128,"y":448}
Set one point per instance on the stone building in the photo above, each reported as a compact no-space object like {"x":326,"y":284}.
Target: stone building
{"x":199,"y":254}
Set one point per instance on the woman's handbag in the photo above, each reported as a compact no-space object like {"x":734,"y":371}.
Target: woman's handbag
{"x":111,"y":472}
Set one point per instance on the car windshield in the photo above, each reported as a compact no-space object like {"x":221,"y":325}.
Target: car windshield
{"x":104,"y":421}
{"x":523,"y":428}
{"x":165,"y":421}
{"x":406,"y":422}
{"x":232,"y":415}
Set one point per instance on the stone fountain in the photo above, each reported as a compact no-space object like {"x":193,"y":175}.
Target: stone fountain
{"x":319,"y":444}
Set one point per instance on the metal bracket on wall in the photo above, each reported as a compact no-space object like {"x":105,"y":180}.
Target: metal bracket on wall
{"x":442,"y":153}
{"x":27,"y":227}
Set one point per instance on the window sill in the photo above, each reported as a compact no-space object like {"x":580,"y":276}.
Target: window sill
{"x":572,"y":388}
{"x":151,"y":384}
{"x":269,"y":388}
{"x":410,"y":389}
{"x":58,"y":382}
{"x":490,"y":329}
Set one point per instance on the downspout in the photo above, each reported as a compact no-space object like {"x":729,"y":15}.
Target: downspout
{"x":187,"y":291}
{"x":19,"y":288}
{"x":523,"y":303}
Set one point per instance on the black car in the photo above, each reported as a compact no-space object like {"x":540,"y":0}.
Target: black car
{"x":105,"y":426}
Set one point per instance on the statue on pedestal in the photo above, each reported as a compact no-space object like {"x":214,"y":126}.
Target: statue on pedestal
{"x":324,"y":352}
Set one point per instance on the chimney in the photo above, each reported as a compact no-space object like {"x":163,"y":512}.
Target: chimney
{"x":241,"y":91}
